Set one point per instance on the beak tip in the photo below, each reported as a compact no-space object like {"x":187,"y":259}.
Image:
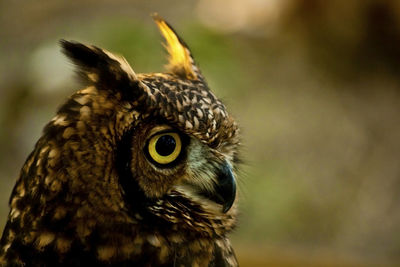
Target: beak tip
{"x":228,"y":205}
{"x":226,"y":208}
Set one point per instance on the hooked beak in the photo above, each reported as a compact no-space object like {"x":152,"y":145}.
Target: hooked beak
{"x":225,"y":188}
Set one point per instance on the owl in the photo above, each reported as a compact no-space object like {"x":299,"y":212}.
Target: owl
{"x":134,"y":170}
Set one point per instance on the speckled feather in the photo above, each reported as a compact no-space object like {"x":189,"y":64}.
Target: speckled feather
{"x":87,"y":197}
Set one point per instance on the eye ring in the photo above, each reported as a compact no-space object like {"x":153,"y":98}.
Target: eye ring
{"x":164,"y":148}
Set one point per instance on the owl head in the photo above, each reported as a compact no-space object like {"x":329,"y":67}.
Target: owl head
{"x":154,"y":151}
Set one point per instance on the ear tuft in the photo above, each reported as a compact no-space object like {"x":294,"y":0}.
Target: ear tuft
{"x":82,"y":55}
{"x":92,"y":59}
{"x":101,"y":67}
{"x":180,"y":59}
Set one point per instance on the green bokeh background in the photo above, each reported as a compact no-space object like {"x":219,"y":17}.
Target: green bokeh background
{"x":314,"y":86}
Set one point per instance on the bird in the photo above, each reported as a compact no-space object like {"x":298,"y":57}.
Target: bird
{"x":133,"y":170}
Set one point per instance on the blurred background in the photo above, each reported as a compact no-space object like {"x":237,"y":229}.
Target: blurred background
{"x":314,"y":84}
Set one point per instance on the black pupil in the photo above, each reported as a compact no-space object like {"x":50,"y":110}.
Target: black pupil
{"x":165,"y":145}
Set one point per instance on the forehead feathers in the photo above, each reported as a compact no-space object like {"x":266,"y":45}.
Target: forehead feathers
{"x":190,"y":105}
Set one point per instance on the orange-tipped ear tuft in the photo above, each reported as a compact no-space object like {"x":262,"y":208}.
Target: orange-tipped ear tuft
{"x":180,"y":60}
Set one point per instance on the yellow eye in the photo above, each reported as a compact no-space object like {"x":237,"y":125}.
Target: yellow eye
{"x":165,"y":148}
